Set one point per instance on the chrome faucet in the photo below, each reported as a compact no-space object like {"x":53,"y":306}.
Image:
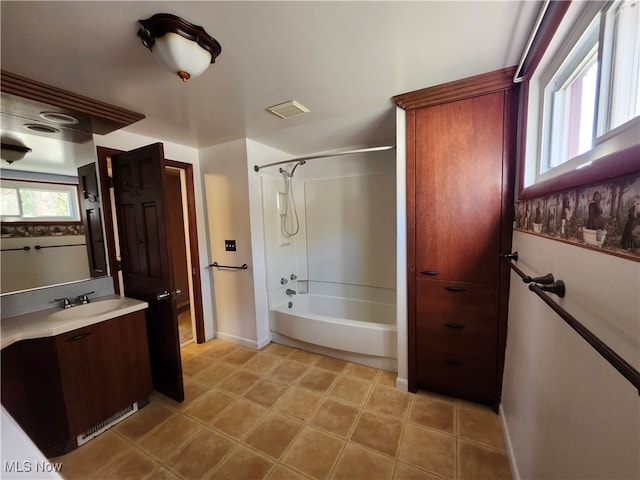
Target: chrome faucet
{"x":65,"y":302}
{"x":84,"y":298}
{"x":290,"y":292}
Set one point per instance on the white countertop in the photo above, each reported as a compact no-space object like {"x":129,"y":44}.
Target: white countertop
{"x":46,"y":324}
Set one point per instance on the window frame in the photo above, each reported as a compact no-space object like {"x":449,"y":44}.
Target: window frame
{"x":71,"y":188}
{"x":614,"y":154}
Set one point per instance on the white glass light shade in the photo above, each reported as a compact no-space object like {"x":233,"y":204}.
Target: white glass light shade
{"x":177,"y":54}
{"x":12,"y":155}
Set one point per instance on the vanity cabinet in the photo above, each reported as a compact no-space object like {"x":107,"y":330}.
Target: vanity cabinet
{"x":460,"y":176}
{"x":59,"y":387}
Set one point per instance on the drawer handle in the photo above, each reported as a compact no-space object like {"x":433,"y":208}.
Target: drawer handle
{"x":80,"y":336}
{"x":453,"y":325}
{"x":453,"y":361}
{"x":455,"y":289}
{"x":430,"y":272}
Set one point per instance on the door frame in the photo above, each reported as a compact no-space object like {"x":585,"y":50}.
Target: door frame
{"x":103,"y":153}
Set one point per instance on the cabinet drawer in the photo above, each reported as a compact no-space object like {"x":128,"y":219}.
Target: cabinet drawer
{"x":457,"y":375}
{"x":458,"y":336}
{"x":457,"y":301}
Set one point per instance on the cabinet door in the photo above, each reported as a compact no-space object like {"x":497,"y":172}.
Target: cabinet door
{"x":125,"y":359}
{"x":81,"y":371}
{"x":458,"y":184}
{"x":104,"y":368}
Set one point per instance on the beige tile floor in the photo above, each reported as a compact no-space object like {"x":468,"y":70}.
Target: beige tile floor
{"x":283,"y":413}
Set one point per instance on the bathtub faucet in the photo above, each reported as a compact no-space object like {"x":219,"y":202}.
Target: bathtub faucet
{"x":290,"y":292}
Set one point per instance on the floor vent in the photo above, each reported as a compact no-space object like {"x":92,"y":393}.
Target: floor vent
{"x":108,"y":423}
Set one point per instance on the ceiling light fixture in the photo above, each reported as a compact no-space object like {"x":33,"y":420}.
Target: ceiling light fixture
{"x":40,"y":128}
{"x":179,"y":46}
{"x":12,"y":152}
{"x":59,"y":118}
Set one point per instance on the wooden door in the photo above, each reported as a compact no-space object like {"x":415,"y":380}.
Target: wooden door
{"x":145,"y":246}
{"x":92,"y":219}
{"x":458,"y":182}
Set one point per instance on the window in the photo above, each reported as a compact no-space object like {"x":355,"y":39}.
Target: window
{"x":622,"y":53}
{"x":584,"y":97}
{"x":23,"y":201}
{"x":569,"y":103}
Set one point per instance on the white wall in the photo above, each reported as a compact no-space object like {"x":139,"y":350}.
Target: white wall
{"x":259,"y":154}
{"x":224,"y":168}
{"x":123,"y":140}
{"x":567,"y":413}
{"x":402,"y":380}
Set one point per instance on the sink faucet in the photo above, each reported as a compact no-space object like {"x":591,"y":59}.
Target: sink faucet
{"x":84,"y":298}
{"x":65,"y":302}
{"x":290,"y":292}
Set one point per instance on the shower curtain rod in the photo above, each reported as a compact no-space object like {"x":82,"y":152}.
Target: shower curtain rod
{"x":325,"y":155}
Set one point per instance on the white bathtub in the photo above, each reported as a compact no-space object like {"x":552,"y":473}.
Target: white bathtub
{"x":355,"y":330}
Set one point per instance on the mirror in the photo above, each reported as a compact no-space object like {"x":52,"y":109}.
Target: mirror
{"x":48,"y":253}
{"x":57,"y":127}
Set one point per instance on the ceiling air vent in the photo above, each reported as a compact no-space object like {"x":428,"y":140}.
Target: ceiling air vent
{"x":288,"y":109}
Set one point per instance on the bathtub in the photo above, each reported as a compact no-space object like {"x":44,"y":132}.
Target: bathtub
{"x":354,"y":330}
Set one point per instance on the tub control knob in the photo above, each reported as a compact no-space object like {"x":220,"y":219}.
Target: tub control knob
{"x":293,"y":276}
{"x":283,"y":280}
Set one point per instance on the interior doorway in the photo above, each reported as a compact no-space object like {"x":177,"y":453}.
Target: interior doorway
{"x":182,"y":218}
{"x":179,"y":225}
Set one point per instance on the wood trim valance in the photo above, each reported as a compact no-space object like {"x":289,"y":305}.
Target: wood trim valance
{"x":457,"y":90}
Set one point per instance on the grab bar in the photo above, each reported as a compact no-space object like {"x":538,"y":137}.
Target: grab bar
{"x":616,"y":361}
{"x":40,"y":247}
{"x":242,"y":267}
{"x":25,"y":248}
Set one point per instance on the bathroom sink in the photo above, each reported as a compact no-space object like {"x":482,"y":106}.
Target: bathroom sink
{"x":54,"y":321}
{"x":98,"y":307}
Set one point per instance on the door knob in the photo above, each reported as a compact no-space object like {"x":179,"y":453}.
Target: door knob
{"x":167,"y":294}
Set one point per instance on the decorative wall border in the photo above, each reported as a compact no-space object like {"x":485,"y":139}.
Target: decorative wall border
{"x":38,"y":230}
{"x":604,"y":216}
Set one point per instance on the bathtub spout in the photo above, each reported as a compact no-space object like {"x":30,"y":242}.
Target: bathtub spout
{"x":290,"y":292}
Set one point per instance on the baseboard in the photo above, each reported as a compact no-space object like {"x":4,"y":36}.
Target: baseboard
{"x":402,"y":384}
{"x":264,"y":342}
{"x":515,"y":473}
{"x":245,"y":342}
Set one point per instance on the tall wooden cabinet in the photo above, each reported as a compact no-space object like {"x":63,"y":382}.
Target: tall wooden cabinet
{"x":460,"y":174}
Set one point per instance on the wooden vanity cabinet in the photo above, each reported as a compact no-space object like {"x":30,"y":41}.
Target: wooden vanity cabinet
{"x":460,"y":177}
{"x":59,"y":387}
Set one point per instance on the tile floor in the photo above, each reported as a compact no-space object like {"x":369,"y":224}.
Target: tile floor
{"x":283,"y":413}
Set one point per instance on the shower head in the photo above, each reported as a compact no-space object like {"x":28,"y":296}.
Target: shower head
{"x":301,"y":162}
{"x":290,"y":174}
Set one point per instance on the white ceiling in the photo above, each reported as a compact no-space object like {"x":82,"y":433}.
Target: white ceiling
{"x":343,"y":60}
